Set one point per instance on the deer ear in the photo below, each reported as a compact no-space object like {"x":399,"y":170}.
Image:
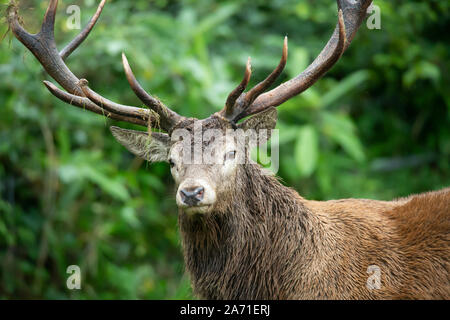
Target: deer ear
{"x":263,"y":120}
{"x":153,"y":148}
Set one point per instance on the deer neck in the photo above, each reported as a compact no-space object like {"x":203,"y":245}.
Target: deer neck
{"x":228,"y":253}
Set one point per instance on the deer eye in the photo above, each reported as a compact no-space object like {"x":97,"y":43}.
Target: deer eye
{"x":171,"y":163}
{"x":230,"y":155}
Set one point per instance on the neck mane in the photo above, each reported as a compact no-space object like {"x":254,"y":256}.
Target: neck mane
{"x":242,"y":250}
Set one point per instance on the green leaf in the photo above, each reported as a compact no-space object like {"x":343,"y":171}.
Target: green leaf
{"x":299,"y":60}
{"x":341,"y":129}
{"x":306,"y":150}
{"x":287,"y":133}
{"x":345,"y":86}
{"x":215,"y":18}
{"x":421,"y":70}
{"x":111,"y":186}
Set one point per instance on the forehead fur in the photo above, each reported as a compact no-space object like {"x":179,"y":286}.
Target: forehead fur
{"x":264,"y":120}
{"x":213,"y":122}
{"x":191,"y":127}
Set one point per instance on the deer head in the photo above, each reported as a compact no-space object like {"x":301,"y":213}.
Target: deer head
{"x":200,"y":184}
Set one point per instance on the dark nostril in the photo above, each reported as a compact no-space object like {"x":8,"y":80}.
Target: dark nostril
{"x":191,"y":196}
{"x":199,"y":192}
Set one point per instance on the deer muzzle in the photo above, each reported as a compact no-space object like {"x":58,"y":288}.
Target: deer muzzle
{"x":195,"y":196}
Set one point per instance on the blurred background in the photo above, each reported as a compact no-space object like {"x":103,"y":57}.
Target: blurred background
{"x":376,"y":126}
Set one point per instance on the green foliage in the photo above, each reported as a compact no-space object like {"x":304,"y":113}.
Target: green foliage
{"x":377,"y":126}
{"x":306,"y":150}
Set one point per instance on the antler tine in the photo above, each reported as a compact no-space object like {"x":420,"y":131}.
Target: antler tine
{"x":85,"y":103}
{"x":168,"y":117}
{"x":109,"y":105}
{"x":237,"y":102}
{"x":43,"y":47}
{"x":236,"y":93}
{"x":48,"y":24}
{"x":73,"y":45}
{"x":350,"y":17}
{"x":266,"y":83}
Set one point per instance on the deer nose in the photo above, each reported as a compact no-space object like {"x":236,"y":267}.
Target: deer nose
{"x":192,"y":196}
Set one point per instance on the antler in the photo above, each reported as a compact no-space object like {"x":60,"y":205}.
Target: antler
{"x":43,"y":46}
{"x":350,"y":17}
{"x":238,"y":104}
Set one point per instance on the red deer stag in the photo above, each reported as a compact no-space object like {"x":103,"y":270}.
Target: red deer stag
{"x":244,"y":234}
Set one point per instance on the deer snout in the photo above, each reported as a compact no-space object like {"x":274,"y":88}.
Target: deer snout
{"x":192,"y":196}
{"x":195,"y":196}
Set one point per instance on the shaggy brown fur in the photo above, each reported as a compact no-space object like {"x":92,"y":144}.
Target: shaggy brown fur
{"x":266,"y":242}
